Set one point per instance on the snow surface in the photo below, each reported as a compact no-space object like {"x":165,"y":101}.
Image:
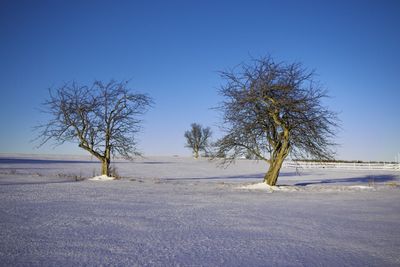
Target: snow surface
{"x":102,"y":178}
{"x":179,"y":211}
{"x":290,"y":188}
{"x":265,"y":187}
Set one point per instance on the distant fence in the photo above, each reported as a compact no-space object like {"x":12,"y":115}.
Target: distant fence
{"x":342,"y":165}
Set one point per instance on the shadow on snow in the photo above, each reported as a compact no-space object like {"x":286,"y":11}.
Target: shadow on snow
{"x":41,"y":161}
{"x":364,"y":179}
{"x":56,"y":161}
{"x":37,"y":182}
{"x":227,"y":177}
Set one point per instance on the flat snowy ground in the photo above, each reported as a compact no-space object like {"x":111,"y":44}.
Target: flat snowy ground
{"x":179,"y":211}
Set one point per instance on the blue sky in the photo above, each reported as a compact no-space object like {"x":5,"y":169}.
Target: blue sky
{"x":173,"y":51}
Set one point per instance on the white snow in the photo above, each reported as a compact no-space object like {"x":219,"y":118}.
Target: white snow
{"x":258,"y":186}
{"x":102,"y":178}
{"x":291,"y":188}
{"x":172,"y":211}
{"x":361,"y":187}
{"x":265,"y":187}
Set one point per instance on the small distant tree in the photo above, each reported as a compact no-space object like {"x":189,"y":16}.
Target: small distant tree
{"x":102,"y":118}
{"x":197,"y":138}
{"x":274,"y":109}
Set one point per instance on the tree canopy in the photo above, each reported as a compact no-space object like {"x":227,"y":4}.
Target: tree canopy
{"x":197,"y":138}
{"x":273,"y":109}
{"x":102,"y":118}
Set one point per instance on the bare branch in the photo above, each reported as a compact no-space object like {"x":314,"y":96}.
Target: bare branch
{"x":103,"y":118}
{"x":198,"y":139}
{"x":276,"y":109}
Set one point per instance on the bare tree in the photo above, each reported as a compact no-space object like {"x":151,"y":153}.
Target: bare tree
{"x":198,"y":139}
{"x":273,"y":109}
{"x":103,"y":119}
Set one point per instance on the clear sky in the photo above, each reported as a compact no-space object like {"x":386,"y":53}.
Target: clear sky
{"x":173,"y":51}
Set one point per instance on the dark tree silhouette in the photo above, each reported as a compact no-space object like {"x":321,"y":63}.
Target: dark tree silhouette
{"x":198,"y":139}
{"x":103,"y":118}
{"x":273,"y":109}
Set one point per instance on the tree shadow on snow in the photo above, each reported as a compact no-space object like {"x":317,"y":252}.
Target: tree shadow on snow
{"x":16,"y":182}
{"x":228,"y":177}
{"x":152,"y":162}
{"x":42,"y":161}
{"x":68,"y":161}
{"x":364,"y":179}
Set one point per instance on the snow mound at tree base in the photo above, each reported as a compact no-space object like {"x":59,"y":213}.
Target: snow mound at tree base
{"x":268,"y":188}
{"x":102,"y":178}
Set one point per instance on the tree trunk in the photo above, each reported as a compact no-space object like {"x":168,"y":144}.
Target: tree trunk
{"x":105,"y":167}
{"x":271,"y":177}
{"x":279,"y":155}
{"x":196,"y":154}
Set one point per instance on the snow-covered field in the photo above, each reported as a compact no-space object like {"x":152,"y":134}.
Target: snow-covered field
{"x":170,"y":211}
